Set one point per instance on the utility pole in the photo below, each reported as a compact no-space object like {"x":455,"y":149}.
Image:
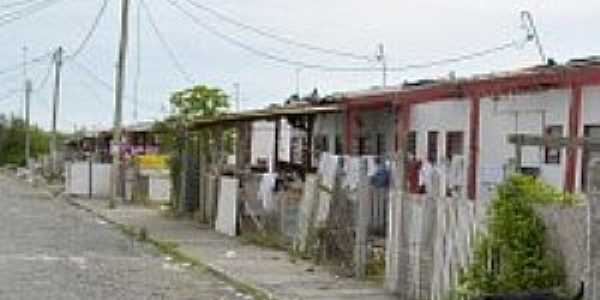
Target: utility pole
{"x":298,"y":70}
{"x":236,"y":87}
{"x":28,"y":89}
{"x":118,"y":172}
{"x":381,"y":58}
{"x":58,"y":57}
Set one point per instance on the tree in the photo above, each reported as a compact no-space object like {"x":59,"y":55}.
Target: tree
{"x":196,"y":102}
{"x":12,"y":141}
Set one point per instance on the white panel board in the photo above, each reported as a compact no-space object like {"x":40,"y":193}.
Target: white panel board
{"x":159,"y":188}
{"x":101,"y":180}
{"x":227,"y":206}
{"x":79,"y":178}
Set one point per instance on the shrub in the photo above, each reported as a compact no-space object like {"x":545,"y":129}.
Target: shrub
{"x":512,"y":255}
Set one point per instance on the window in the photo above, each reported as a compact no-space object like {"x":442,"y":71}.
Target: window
{"x":362,"y":145}
{"x":432,"y":146}
{"x":454,"y":144}
{"x":552,"y":154}
{"x":321,"y":143}
{"x":411,"y":146}
{"x":339,"y":149}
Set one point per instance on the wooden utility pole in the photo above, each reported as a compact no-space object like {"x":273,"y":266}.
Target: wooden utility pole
{"x":118,"y":172}
{"x":58,"y":60}
{"x":28,"y":89}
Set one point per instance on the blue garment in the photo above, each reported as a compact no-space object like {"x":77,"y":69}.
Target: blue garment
{"x":381,"y":178}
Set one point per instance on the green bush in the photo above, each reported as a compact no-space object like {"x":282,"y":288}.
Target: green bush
{"x":512,"y":255}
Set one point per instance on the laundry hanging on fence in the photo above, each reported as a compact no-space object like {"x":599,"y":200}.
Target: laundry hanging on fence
{"x":352,"y":172}
{"x":328,"y":166}
{"x":265,"y":191}
{"x":372,"y":165}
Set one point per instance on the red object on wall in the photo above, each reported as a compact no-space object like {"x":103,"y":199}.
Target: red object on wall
{"x":575,"y":108}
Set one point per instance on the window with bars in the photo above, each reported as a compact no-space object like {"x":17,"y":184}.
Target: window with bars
{"x":411,"y":146}
{"x":552,"y":154}
{"x":432,"y":146}
{"x":454,"y":144}
{"x":339,"y":148}
{"x":362,"y":145}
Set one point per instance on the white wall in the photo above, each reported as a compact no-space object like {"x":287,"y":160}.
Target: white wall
{"x":451,"y":115}
{"x":330,"y":125}
{"x":263,"y":140}
{"x":525,"y":113}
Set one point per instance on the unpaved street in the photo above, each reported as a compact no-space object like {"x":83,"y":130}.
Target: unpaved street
{"x":51,"y":250}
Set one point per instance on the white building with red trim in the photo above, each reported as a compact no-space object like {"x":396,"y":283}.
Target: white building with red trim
{"x":473,"y":118}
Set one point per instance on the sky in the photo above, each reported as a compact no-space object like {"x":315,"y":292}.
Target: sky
{"x":411,"y":32}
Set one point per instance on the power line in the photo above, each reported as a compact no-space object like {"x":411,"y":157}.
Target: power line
{"x":278,"y":38}
{"x":91,"y":31}
{"x":9,"y":94}
{"x":106,"y":85}
{"x":42,"y":83}
{"x":99,"y":81}
{"x":16,"y":3}
{"x":178,"y":66}
{"x":11,"y":17}
{"x":326,"y":68}
{"x":31,"y":61}
{"x":239,"y":44}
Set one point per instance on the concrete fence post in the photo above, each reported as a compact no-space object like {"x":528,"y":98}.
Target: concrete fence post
{"x":593,"y":287}
{"x":362,"y":221}
{"x":393,"y":261}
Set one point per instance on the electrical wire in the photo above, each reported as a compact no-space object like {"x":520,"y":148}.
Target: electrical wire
{"x":9,"y":94}
{"x":305,"y":65}
{"x":91,"y":31}
{"x":42,"y":83}
{"x":176,"y":63}
{"x":239,"y":44}
{"x":14,"y":16}
{"x":106,"y":85}
{"x":16,"y":3}
{"x":16,"y":12}
{"x":34,"y":60}
{"x":279,"y":38}
{"x":99,"y":81}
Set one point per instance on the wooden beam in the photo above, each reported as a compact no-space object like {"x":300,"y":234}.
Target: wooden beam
{"x":309,"y":143}
{"x":348,"y":129}
{"x":575,"y":108}
{"x":474,"y":124}
{"x":559,"y":142}
{"x":276,"y":140}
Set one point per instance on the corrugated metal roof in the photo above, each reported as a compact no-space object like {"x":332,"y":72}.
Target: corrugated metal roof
{"x":266,"y":114}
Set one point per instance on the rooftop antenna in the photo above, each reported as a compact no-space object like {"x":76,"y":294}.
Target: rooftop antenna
{"x":532,"y":34}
